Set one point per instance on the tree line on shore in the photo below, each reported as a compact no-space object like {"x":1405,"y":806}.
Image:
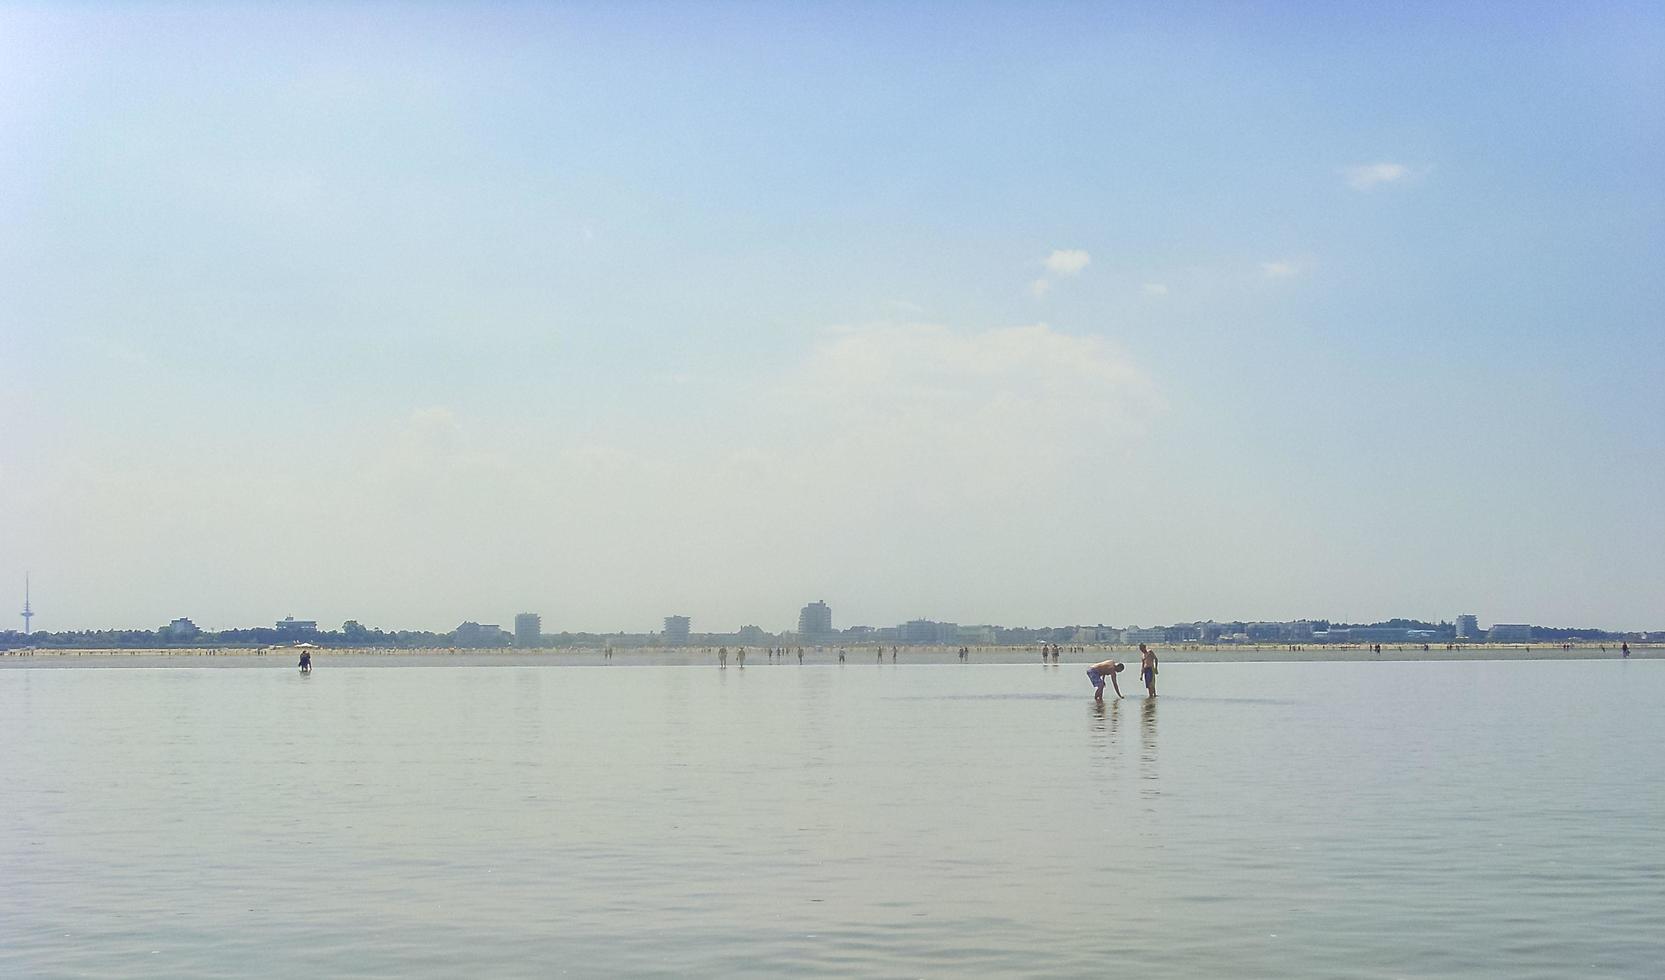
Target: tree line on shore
{"x":469,"y":636}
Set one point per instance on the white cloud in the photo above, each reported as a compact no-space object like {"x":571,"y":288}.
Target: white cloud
{"x":1368,"y":176}
{"x":432,"y":430}
{"x":1156,"y":289}
{"x":1067,"y":261}
{"x":1063,"y":263}
{"x":927,"y":445}
{"x":896,"y":393}
{"x":895,"y":465}
{"x":1280,"y":269}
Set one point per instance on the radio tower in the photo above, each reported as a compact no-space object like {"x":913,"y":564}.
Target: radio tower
{"x":28,"y":613}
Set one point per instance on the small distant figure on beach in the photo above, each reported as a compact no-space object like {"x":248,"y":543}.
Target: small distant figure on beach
{"x":1625,"y":647}
{"x":306,"y":661}
{"x":800,"y":656}
{"x":740,"y":658}
{"x":1099,"y":671}
{"x":840,"y":654}
{"x":722,"y":656}
{"x":1147,"y":669}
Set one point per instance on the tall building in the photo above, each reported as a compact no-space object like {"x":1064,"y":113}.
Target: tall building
{"x":929,"y":631}
{"x":1468,"y":627}
{"x":528,"y":630}
{"x":472,"y":634}
{"x":290,"y":624}
{"x":180,"y":629}
{"x":815,"y":619}
{"x":676,"y":629}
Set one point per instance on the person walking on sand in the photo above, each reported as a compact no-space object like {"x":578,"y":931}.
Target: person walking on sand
{"x":1099,"y":671}
{"x":1147,"y":669}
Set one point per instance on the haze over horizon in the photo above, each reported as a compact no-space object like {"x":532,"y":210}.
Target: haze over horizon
{"x":1021,"y":314}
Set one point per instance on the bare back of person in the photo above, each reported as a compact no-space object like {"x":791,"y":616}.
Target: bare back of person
{"x":1101,"y":670}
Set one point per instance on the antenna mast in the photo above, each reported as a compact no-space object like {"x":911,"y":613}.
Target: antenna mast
{"x":28,"y":613}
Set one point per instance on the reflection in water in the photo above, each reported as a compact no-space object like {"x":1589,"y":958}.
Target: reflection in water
{"x":1147,"y":743}
{"x":1106,"y":720}
{"x":529,"y":706}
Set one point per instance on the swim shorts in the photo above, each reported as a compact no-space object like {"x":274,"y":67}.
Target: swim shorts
{"x":1147,"y":674}
{"x":1097,"y":679}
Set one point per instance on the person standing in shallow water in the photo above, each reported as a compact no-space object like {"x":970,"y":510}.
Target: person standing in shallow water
{"x":306,"y":661}
{"x":1099,"y":671}
{"x":1147,"y":669}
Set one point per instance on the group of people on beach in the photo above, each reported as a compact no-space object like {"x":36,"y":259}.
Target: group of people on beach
{"x":1104,"y":669}
{"x":1097,"y":673}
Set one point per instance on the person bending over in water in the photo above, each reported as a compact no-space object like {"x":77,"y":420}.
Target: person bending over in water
{"x":306,"y":661}
{"x":1099,"y":671}
{"x":1147,"y":669}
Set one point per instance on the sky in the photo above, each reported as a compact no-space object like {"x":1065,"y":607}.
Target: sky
{"x":1018,"y":314}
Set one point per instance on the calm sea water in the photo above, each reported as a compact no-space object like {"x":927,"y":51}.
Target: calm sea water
{"x":427,"y":818}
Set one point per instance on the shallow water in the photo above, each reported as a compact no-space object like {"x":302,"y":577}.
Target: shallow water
{"x":434,"y":819}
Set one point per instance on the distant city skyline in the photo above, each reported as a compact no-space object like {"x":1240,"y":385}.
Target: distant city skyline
{"x":1011,"y":313}
{"x":815,"y":623}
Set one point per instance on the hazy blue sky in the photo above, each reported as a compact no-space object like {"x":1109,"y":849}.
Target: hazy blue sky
{"x":1014,"y":313}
